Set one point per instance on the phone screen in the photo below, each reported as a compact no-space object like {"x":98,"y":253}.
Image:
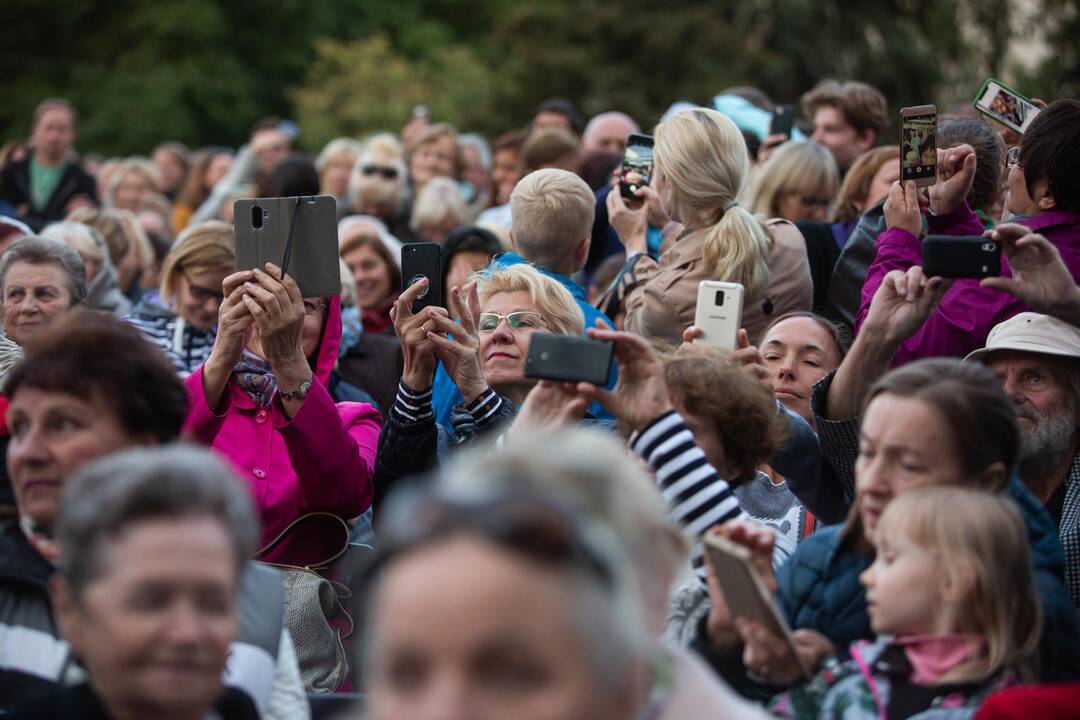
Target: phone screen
{"x":1006,"y":107}
{"x":637,"y":164}
{"x":918,"y":147}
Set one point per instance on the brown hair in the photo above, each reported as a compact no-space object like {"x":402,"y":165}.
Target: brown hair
{"x":431,"y":134}
{"x":194,"y":191}
{"x":837,"y":333}
{"x":370,"y":238}
{"x":54,"y":104}
{"x":863,"y":106}
{"x":109,"y":225}
{"x":545,"y":147}
{"x":856,"y":185}
{"x":980,"y":542}
{"x":742,"y":411}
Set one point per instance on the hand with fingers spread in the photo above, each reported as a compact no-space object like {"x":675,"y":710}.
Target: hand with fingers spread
{"x":417,"y":349}
{"x":550,"y":405}
{"x":902,"y":304}
{"x":277,"y":306}
{"x":1040,"y":277}
{"x":641,"y":394}
{"x":955,"y":174}
{"x":903,"y":208}
{"x":457,"y":346}
{"x":629,"y":223}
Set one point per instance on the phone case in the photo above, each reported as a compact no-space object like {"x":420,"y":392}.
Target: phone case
{"x":950,"y":256}
{"x":918,"y":143}
{"x":719,"y":313}
{"x":262,"y":228}
{"x":635,"y":173}
{"x":568,"y":358}
{"x":743,"y":589}
{"x":423,"y":259}
{"x":1003,"y":116}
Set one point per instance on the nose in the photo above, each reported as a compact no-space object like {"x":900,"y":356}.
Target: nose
{"x":818,"y":135}
{"x":866,"y":579}
{"x":212,"y":305}
{"x":1012,"y":389}
{"x":502,"y":332}
{"x":785,"y":370}
{"x":184,"y":626}
{"x":447,"y":698}
{"x":28,"y":449}
{"x":873,"y":476}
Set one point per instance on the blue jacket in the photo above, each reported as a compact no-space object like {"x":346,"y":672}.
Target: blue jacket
{"x":819,"y":589}
{"x":445,"y":395}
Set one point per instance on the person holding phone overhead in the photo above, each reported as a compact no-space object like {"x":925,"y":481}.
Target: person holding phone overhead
{"x":261,"y":400}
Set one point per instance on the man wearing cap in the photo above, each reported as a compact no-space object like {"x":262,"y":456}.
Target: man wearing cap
{"x":1037,"y":359}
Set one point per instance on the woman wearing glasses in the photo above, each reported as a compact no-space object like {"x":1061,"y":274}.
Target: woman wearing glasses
{"x":377,"y":184}
{"x":799,"y":182}
{"x":183,"y":321}
{"x":484,"y":356}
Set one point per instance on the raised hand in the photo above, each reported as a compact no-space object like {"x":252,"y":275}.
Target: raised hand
{"x":417,"y":349}
{"x":1040,"y":277}
{"x":277,"y":306}
{"x":630,"y":224}
{"x":641,"y":395}
{"x":550,"y":405}
{"x":903,"y":207}
{"x":235,"y":322}
{"x":902,"y":304}
{"x":955,"y":174}
{"x":457,"y":346}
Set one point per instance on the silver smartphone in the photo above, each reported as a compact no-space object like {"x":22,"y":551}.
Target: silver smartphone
{"x":719,"y":313}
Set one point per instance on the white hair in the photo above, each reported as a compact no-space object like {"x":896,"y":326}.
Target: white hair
{"x":478,"y":143}
{"x":336,"y":147}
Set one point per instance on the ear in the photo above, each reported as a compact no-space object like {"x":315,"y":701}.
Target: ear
{"x":513,"y":242}
{"x":1044,"y":198}
{"x":65,"y":610}
{"x":581,"y":253}
{"x":955,"y":588}
{"x":995,"y":477}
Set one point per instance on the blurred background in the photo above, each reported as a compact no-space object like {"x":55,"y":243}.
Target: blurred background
{"x":202,"y":71}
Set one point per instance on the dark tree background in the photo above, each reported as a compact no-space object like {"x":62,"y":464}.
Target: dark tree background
{"x":202,"y":71}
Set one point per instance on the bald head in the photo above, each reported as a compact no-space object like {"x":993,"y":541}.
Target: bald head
{"x":608,"y":132}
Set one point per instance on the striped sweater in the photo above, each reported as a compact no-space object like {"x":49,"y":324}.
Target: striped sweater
{"x":187,"y":347}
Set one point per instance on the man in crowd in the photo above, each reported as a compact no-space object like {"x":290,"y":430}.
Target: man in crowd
{"x":608,"y":132}
{"x":558,"y":113}
{"x":1037,"y":359}
{"x":849,"y":118}
{"x":270,"y":143}
{"x":49,"y":183}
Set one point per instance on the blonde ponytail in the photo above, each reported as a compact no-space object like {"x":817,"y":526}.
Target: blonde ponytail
{"x":703,"y":158}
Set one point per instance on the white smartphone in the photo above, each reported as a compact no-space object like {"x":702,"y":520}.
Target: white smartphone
{"x":744,"y":590}
{"x":1005,"y":105}
{"x":719,"y":313}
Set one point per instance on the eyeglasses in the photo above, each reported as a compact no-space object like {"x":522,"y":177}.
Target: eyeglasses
{"x":535,"y":528}
{"x":389,"y":173}
{"x":201,"y":294}
{"x":814,"y":202}
{"x":1012,"y":158}
{"x":521,"y":320}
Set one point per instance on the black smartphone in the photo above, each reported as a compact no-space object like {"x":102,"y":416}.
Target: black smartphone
{"x":298,"y":234}
{"x":569,"y":358}
{"x":420,"y":260}
{"x":782,"y":120}
{"x":918,"y":145}
{"x":636,"y":165}
{"x":952,"y":256}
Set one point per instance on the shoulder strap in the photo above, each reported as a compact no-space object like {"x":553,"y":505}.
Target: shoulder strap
{"x":307,"y":548}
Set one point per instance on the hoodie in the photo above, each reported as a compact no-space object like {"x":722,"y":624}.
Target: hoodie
{"x":322,"y":460}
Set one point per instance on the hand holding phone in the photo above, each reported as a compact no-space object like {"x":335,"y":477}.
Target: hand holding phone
{"x":423,"y":260}
{"x":918,"y":145}
{"x":719,"y":314}
{"x":568,"y":358}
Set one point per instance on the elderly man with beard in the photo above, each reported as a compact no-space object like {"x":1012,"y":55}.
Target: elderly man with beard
{"x":1037,"y":359}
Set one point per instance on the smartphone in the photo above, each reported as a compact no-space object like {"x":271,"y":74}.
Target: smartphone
{"x":743,"y":589}
{"x":569,"y":358}
{"x":423,"y":260}
{"x":636,"y":165}
{"x":782,"y":120}
{"x":719,"y":313}
{"x":1005,"y":105}
{"x":918,"y":145}
{"x":298,"y":234}
{"x":952,"y":256}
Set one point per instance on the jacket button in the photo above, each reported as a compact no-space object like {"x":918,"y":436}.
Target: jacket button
{"x":261,"y":416}
{"x":259,"y":473}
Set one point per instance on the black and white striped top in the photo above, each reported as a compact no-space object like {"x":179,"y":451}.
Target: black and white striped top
{"x":186,"y":347}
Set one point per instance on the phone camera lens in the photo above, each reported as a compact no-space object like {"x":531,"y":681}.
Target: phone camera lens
{"x":719,"y":298}
{"x":257,"y":214}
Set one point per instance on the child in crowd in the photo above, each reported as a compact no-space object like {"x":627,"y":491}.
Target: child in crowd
{"x":951,"y":595}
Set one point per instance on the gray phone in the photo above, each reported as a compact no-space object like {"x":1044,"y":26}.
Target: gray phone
{"x":298,"y":234}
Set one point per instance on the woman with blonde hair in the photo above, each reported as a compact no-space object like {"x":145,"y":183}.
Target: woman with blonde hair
{"x":439,"y":208}
{"x":135,"y":179}
{"x":701,"y":164}
{"x":377,"y":186}
{"x":334,"y":165}
{"x":183,"y":322}
{"x":798,"y":182}
{"x":129,"y":247}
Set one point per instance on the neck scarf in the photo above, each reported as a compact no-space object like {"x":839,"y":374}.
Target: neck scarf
{"x":253,"y":376}
{"x":46,"y":546}
{"x":931,"y":656}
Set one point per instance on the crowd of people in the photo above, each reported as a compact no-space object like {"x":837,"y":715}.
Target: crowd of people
{"x":224,"y":499}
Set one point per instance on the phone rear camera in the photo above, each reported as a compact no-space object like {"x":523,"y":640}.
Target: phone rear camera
{"x":719,"y":298}
{"x":257,"y":214}
{"x":989,"y":247}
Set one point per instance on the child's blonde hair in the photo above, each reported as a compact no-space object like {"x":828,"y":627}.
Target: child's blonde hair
{"x":981,"y":543}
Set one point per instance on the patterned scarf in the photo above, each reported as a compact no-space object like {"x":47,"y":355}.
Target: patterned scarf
{"x":253,"y":376}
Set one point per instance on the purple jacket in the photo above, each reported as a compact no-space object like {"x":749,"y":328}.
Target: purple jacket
{"x":321,"y":461}
{"x":968,"y":312}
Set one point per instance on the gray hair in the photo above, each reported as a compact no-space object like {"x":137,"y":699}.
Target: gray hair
{"x":172,"y":482}
{"x":83,"y":238}
{"x":477,"y":142}
{"x":38,"y":250}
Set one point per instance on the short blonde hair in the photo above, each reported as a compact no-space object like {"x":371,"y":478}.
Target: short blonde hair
{"x":337,"y":146}
{"x":802,"y":168}
{"x":552,"y":211}
{"x":981,"y":545}
{"x":434,"y":133}
{"x":703,"y":158}
{"x":439,"y":203}
{"x":206,"y":245}
{"x":382,"y":150}
{"x":135,"y":164}
{"x":559,"y":308}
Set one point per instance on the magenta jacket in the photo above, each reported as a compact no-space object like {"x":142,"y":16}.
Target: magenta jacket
{"x":967,"y":313}
{"x":321,"y":460}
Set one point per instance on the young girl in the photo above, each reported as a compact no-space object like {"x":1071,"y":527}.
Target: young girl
{"x":952,"y":597}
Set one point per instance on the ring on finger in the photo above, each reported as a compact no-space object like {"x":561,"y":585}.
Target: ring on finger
{"x":423,"y":331}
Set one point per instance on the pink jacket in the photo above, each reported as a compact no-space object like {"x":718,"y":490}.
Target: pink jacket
{"x":320,"y":461}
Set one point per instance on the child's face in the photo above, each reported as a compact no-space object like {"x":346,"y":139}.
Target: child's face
{"x":904,"y":588}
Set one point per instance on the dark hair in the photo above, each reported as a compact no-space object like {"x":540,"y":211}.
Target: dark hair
{"x":54,"y":104}
{"x":272,"y":122}
{"x":513,"y":140}
{"x":1050,"y":150}
{"x":562,"y":106}
{"x":194,"y":191}
{"x":469,"y":238}
{"x":295,"y":175}
{"x":597,"y":167}
{"x":989,"y":152}
{"x":837,"y":333}
{"x":91,"y":354}
{"x":107,"y":497}
{"x":753,"y":95}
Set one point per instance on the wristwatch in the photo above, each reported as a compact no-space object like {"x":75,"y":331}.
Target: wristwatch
{"x":298,"y":394}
